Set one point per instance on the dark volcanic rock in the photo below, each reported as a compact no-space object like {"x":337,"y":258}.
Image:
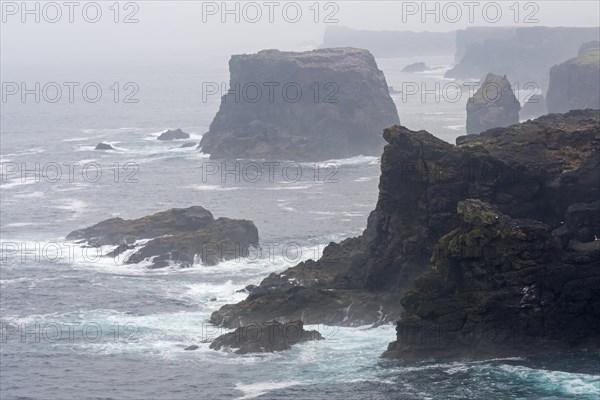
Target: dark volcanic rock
{"x":265,"y":338}
{"x":525,"y":56}
{"x":575,"y":84}
{"x":103,"y":146}
{"x":185,"y":145}
{"x":534,"y":107}
{"x":499,"y":286}
{"x":176,"y":236}
{"x":291,"y":121}
{"x":416,"y":67}
{"x":174,"y":134}
{"x":494,"y":105}
{"x":537,"y":169}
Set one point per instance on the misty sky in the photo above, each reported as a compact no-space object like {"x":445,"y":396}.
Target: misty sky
{"x":174,"y":32}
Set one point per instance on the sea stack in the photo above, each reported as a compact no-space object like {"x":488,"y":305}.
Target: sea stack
{"x":494,"y":105}
{"x":305,"y":106}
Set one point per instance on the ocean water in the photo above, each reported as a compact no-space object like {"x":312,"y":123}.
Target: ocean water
{"x":78,"y":326}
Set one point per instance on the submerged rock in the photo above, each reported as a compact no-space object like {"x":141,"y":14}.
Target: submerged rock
{"x":575,"y":84}
{"x":307,"y":106}
{"x":174,"y":134}
{"x":265,"y":338}
{"x":494,"y":105}
{"x":536,"y":170}
{"x":190,"y":144}
{"x":103,"y":146}
{"x":177,"y":236}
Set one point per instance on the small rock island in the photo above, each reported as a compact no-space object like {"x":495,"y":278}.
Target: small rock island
{"x":179,"y":236}
{"x":173,"y":134}
{"x":266,"y":337}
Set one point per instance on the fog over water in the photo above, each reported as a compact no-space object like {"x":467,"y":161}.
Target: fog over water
{"x":77,"y":326}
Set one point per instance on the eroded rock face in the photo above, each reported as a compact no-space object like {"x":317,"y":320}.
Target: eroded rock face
{"x":309,"y":106}
{"x":265,"y":338}
{"x":536,"y":170}
{"x":494,"y":105}
{"x":501,"y":286}
{"x":177,"y":236}
{"x":173,"y":134}
{"x":575,"y":84}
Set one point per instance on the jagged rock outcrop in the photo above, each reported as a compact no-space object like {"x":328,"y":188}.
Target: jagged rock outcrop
{"x":499,"y":286}
{"x":493,"y":105}
{"x":173,"y":134}
{"x":525,"y":56}
{"x":535,"y":106}
{"x":387,"y":43}
{"x":575,"y":84}
{"x":104,"y":146}
{"x":265,"y":338}
{"x":537,"y":170}
{"x":178,"y":236}
{"x":307,"y":106}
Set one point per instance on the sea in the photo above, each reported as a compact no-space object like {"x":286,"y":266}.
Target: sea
{"x":79,"y":326}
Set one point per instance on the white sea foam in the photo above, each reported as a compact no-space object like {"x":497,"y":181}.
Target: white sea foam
{"x":253,"y":390}
{"x":211,"y":188}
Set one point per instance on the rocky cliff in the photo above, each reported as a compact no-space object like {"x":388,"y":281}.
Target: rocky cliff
{"x":525,"y":57}
{"x":499,"y":286}
{"x":575,"y":84}
{"x":310,"y":106}
{"x":534,"y":170}
{"x":477,"y":35}
{"x":391,"y":43}
{"x":494,"y":105}
{"x":174,"y":237}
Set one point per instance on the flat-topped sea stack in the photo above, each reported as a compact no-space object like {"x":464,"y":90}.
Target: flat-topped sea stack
{"x":306,"y":106}
{"x":180,"y":236}
{"x":575,"y":84}
{"x":494,"y":105}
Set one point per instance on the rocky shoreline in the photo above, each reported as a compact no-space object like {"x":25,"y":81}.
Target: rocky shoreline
{"x":536,"y":175}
